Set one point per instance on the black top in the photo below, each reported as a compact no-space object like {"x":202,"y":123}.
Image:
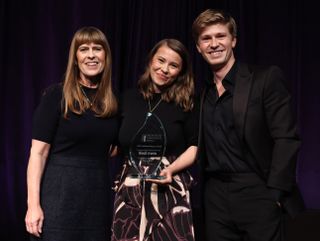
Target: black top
{"x":80,"y":135}
{"x":223,"y":147}
{"x":181,"y":127}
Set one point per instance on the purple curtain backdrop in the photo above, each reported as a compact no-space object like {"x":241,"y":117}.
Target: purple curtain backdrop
{"x":34,"y":42}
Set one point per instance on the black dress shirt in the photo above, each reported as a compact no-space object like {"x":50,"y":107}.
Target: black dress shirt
{"x":222,"y":144}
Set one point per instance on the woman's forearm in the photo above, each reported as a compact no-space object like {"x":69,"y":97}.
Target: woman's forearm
{"x":185,"y":160}
{"x":37,"y":160}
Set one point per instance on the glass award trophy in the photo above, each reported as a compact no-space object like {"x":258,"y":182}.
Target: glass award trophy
{"x":147,"y":148}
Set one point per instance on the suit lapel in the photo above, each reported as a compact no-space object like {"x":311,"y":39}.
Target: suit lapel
{"x":241,"y":93}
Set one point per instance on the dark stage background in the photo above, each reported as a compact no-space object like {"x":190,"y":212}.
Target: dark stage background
{"x":34,"y":42}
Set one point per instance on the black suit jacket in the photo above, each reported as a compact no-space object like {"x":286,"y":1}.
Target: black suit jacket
{"x":266,"y":128}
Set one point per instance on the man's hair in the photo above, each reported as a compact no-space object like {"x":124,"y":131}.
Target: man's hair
{"x":212,"y":17}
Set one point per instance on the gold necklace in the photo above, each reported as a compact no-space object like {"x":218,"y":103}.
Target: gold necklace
{"x":155,"y":106}
{"x":85,"y":95}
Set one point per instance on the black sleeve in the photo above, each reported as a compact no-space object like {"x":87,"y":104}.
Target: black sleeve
{"x":47,"y":114}
{"x":283,"y":130}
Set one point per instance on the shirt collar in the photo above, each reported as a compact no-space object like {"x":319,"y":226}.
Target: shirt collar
{"x":229,"y":80}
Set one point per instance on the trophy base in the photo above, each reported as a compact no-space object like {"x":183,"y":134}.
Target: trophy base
{"x":147,"y":176}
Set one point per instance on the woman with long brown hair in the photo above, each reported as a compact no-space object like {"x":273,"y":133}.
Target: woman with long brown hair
{"x":74,"y":127}
{"x":158,"y":209}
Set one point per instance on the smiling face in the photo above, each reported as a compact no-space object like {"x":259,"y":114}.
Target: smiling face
{"x":91,"y":60}
{"x":165,"y":67}
{"x":215,"y":44}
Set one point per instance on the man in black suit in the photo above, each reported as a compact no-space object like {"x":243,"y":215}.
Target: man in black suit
{"x":248,"y":140}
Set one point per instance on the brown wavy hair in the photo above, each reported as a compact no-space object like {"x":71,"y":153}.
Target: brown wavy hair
{"x":181,"y":91}
{"x":105,"y":103}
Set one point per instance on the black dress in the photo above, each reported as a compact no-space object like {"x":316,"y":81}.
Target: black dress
{"x":75,"y":184}
{"x":145,"y":211}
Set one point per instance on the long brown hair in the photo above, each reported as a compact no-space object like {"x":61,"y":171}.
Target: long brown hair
{"x":105,"y":103}
{"x":181,"y":91}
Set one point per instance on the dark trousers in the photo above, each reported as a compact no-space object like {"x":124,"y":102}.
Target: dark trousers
{"x":239,"y":207}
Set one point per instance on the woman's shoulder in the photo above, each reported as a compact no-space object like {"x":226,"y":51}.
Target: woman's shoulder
{"x":130,"y":99}
{"x":53,"y":90}
{"x":52,"y":94}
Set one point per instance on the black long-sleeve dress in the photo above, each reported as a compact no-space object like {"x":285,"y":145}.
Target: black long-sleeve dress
{"x":150,"y":211}
{"x":75,"y":184}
